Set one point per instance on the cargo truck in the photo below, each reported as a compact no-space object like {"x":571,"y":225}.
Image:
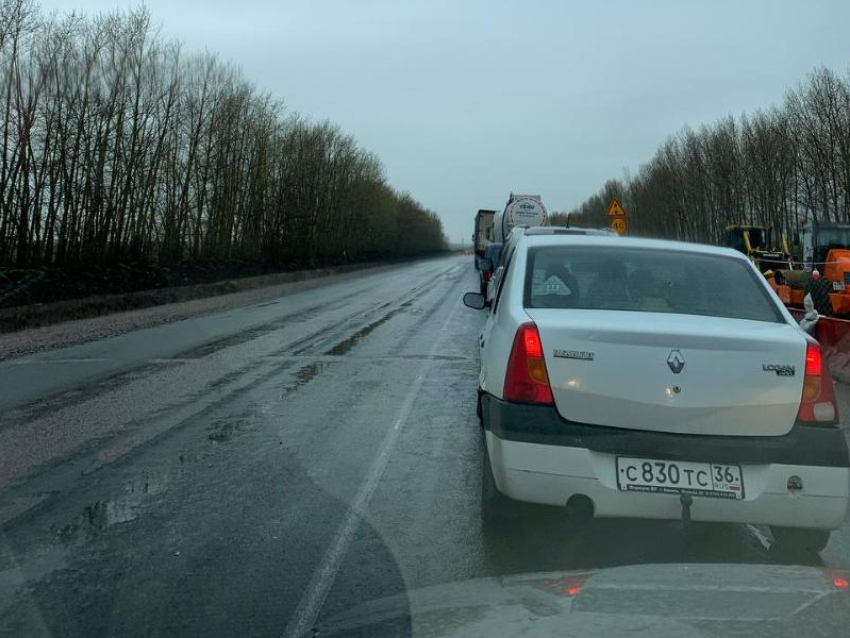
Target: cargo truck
{"x":483,"y":234}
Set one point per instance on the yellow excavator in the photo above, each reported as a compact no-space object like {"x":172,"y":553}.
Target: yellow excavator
{"x":757,"y":243}
{"x":773,"y":260}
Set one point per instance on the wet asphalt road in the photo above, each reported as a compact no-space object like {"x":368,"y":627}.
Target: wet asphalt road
{"x":254,"y":472}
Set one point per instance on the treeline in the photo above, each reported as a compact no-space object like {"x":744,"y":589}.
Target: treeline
{"x":117,"y":146}
{"x":778,"y":168}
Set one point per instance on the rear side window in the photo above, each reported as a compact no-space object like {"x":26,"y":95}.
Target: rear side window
{"x":640,"y":280}
{"x":504,"y":262}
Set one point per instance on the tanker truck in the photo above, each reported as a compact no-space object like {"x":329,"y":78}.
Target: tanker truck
{"x":521,"y":210}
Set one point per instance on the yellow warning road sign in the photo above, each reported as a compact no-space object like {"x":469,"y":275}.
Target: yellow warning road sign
{"x":619,"y":225}
{"x":616,"y":209}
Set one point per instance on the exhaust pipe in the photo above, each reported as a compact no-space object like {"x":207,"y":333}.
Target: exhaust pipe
{"x":580,"y":509}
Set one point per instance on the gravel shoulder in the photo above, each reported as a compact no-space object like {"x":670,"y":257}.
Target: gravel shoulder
{"x":68,"y":333}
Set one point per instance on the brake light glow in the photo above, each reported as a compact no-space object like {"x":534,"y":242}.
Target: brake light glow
{"x":813,"y":359}
{"x":526,"y":378}
{"x":817,"y":405}
{"x":532,"y":341}
{"x":839,"y":582}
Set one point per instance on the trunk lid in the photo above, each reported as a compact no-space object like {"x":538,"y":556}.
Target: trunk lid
{"x":611,"y":368}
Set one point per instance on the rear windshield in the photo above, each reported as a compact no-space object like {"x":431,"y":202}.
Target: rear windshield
{"x":614,"y":278}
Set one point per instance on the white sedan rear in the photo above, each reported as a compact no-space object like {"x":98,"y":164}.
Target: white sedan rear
{"x":651,"y":379}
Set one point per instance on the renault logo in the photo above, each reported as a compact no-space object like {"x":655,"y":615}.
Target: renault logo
{"x":676,"y":361}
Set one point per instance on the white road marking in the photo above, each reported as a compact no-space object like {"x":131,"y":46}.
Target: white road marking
{"x":308,"y":609}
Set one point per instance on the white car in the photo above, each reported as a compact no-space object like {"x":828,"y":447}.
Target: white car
{"x":653,"y":379}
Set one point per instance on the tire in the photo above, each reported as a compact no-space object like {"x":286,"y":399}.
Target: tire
{"x":479,"y":411}
{"x":795,"y":539}
{"x":496,"y":508}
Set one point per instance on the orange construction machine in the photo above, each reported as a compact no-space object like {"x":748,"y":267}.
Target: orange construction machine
{"x":826,"y":255}
{"x":773,"y":260}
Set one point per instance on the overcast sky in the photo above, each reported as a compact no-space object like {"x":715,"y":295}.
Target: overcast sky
{"x":467,"y":101}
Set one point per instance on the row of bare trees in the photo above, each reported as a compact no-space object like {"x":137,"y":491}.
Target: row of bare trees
{"x":778,"y":168}
{"x":116,"y":145}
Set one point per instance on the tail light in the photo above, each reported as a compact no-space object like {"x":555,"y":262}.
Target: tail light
{"x":818,"y":402}
{"x":526,"y":379}
{"x":487,"y":275}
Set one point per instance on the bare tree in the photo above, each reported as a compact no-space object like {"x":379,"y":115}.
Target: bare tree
{"x":115,"y":146}
{"x":776,"y":167}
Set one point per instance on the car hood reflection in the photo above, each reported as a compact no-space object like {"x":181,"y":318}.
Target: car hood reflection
{"x":640,"y":600}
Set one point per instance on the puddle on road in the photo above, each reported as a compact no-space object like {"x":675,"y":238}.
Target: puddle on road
{"x":344,"y":346}
{"x":305,"y":374}
{"x":222,"y":434}
{"x":267,"y":304}
{"x":101,"y":515}
{"x":224,"y":430}
{"x":308,"y":373}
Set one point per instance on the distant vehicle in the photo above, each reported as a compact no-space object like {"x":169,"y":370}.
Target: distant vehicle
{"x":619,"y":380}
{"x":488,"y":266}
{"x":483,"y":234}
{"x":521,"y":210}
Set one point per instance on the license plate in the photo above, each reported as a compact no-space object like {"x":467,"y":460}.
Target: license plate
{"x":714,"y":480}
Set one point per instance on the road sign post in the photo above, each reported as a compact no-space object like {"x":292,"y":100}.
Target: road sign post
{"x":617,"y":215}
{"x":619,"y":225}
{"x":615,"y":209}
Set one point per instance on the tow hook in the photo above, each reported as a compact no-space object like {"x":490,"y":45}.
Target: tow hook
{"x":686,"y":500}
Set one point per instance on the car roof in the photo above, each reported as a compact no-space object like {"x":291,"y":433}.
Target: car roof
{"x":628,"y":242}
{"x":566,"y":230}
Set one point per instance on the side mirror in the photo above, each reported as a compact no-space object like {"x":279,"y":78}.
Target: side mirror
{"x":486,"y":265}
{"x":474,"y":300}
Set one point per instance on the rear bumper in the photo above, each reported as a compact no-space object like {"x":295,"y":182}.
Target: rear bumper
{"x":803,"y":445}
{"x":552,"y":470}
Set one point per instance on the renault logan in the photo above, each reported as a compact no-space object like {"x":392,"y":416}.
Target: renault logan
{"x":652,"y":379}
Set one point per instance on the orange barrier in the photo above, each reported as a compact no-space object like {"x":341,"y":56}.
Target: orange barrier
{"x":833,"y":335}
